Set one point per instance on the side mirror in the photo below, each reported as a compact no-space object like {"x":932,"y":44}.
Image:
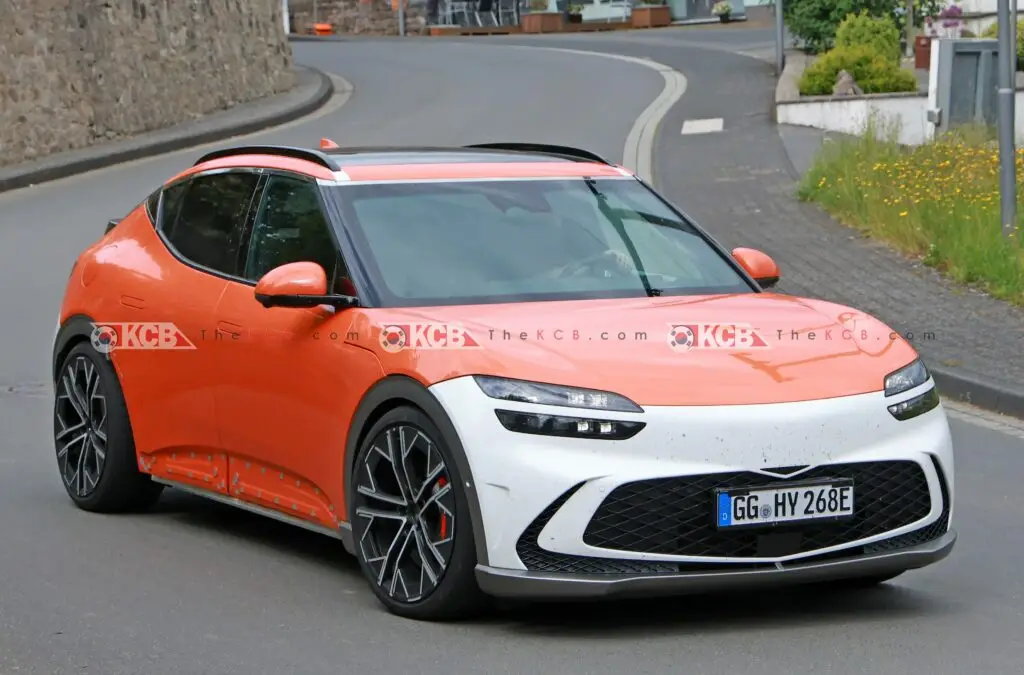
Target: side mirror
{"x":758,"y":265}
{"x":298,"y":284}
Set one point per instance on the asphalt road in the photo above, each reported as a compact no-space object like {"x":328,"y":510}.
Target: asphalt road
{"x":198,"y":588}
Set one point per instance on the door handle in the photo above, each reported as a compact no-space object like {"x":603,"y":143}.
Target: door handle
{"x":133,"y":302}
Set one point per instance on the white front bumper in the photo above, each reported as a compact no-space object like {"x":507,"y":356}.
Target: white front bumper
{"x":517,"y":476}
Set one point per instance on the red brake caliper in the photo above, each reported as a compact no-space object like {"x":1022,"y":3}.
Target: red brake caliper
{"x":441,"y":482}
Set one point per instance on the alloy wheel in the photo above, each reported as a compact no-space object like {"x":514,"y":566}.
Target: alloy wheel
{"x":405,"y":501}
{"x":80,"y":426}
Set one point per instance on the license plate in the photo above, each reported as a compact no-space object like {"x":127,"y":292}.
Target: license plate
{"x":790,"y":503}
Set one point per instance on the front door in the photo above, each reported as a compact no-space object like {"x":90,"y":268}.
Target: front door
{"x":284,"y":394}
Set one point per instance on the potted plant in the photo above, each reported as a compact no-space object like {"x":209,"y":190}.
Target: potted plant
{"x":651,"y":14}
{"x":575,"y":13}
{"x":723,"y":10}
{"x":541,"y":20}
{"x":952,"y":18}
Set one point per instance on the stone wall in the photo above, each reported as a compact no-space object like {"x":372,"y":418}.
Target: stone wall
{"x":358,"y":17}
{"x":78,"y":72}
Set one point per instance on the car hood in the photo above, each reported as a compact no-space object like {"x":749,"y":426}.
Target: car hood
{"x":707,"y":350}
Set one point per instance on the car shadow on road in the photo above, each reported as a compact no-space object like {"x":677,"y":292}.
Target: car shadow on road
{"x":722,"y":612}
{"x":698,"y":614}
{"x":310,"y":547}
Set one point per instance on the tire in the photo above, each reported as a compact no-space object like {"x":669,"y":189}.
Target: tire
{"x":449,"y":591}
{"x":96,"y":451}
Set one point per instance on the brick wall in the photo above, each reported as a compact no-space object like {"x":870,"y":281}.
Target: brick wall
{"x":78,"y":72}
{"x":357,"y":17}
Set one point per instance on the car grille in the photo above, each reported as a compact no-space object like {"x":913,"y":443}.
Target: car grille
{"x":673,"y":517}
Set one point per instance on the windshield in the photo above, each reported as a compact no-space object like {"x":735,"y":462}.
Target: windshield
{"x":478,"y":242}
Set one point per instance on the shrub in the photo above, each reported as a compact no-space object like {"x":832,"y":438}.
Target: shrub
{"x":992,"y":33}
{"x":814,"y":22}
{"x":874,"y":73}
{"x":878,"y":32}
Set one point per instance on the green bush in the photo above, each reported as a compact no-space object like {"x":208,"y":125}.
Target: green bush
{"x":878,"y":32}
{"x":813,"y":23}
{"x":992,"y":33}
{"x":874,"y":73}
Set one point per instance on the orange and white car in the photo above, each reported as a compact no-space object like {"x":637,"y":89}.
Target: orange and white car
{"x":498,"y":370}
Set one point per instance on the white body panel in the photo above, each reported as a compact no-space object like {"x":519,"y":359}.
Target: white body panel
{"x":517,"y":475}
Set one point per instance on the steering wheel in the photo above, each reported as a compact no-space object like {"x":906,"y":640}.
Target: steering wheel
{"x":607,"y":264}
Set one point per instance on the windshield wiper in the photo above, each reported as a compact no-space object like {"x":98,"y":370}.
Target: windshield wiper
{"x":620,"y":229}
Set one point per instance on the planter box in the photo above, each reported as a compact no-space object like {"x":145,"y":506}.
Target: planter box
{"x":922,"y":52}
{"x":652,"y":16}
{"x":575,"y":18}
{"x":543,"y":22}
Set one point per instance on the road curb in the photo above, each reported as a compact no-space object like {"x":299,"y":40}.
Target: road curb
{"x":63,"y":165}
{"x":971,"y":391}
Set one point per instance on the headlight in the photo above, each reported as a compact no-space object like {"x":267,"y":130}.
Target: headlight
{"x":918,"y":405}
{"x":906,"y":378}
{"x":569,"y":427}
{"x":522,"y":391}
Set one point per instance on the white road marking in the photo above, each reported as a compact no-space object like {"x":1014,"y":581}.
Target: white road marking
{"x":708,"y":126}
{"x":638,"y":155}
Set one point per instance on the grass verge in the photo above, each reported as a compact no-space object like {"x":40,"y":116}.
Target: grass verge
{"x":938,"y":202}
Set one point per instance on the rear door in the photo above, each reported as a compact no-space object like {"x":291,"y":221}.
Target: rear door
{"x":201,"y":222}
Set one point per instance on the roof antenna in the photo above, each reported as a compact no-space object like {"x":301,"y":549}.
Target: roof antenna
{"x":328,"y":144}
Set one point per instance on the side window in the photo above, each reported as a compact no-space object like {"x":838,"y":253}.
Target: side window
{"x":170,"y":206}
{"x":167,"y":198}
{"x":152,"y":204}
{"x":210,"y":219}
{"x":290,"y":227}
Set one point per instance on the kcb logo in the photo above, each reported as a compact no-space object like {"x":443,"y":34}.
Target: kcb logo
{"x":396,"y":337}
{"x":106,"y":337}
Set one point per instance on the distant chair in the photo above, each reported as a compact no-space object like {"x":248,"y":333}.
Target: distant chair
{"x":485,"y":13}
{"x":461,"y":12}
{"x":508,"y":12}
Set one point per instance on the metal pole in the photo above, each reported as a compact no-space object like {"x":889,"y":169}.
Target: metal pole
{"x":401,"y":17}
{"x":1006,"y":92}
{"x":780,"y":38}
{"x":314,"y":13}
{"x":911,"y":32}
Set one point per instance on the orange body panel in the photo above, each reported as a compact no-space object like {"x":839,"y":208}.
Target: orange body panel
{"x":130,"y":277}
{"x":287,"y":386}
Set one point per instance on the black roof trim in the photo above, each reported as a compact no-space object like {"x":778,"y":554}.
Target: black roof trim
{"x":329,"y":158}
{"x":544,"y":149}
{"x":307,"y":154}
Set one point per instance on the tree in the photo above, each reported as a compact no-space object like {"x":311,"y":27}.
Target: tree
{"x":814,"y":22}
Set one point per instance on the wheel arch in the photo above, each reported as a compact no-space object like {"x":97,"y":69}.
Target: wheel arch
{"x":395,"y":391}
{"x":76,"y":329}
